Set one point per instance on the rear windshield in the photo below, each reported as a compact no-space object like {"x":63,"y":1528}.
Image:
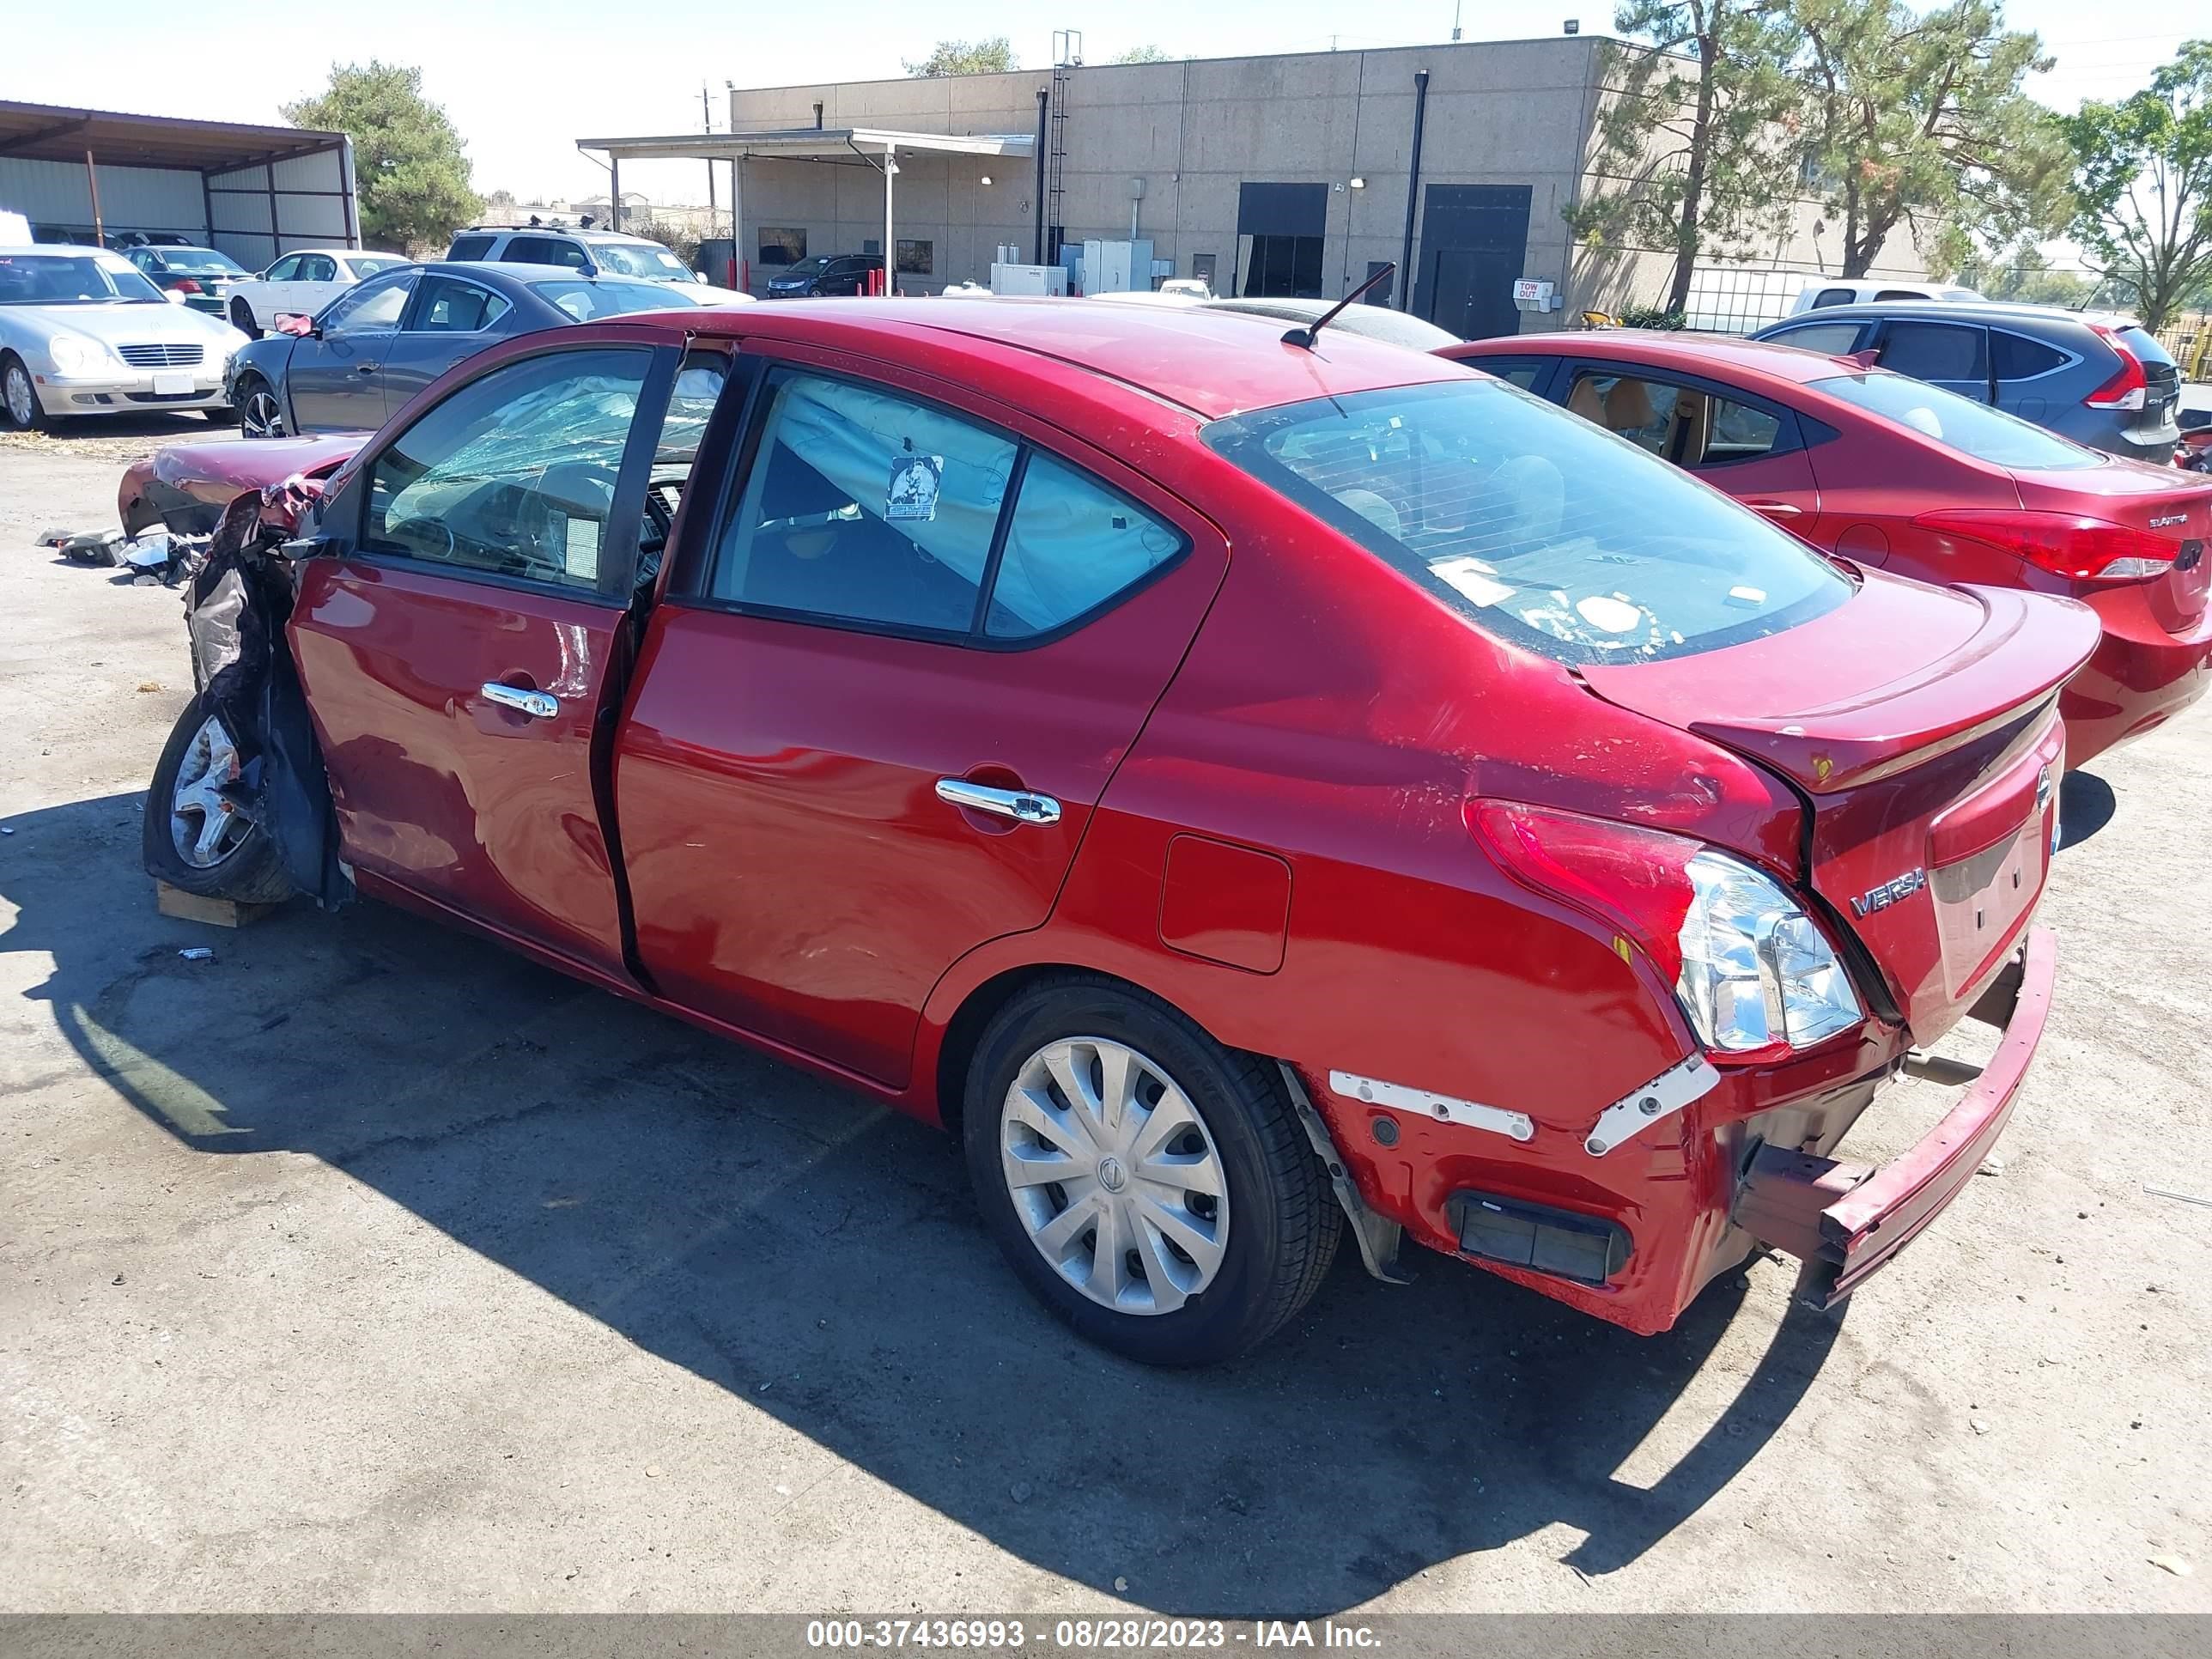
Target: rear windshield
{"x":629,"y":259}
{"x":1541,"y":528}
{"x":586,"y":300}
{"x":2145,"y":345}
{"x":194,"y":259}
{"x":1959,"y":424}
{"x":469,"y":248}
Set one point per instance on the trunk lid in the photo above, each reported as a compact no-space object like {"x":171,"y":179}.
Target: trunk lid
{"x":2167,"y":502}
{"x":1919,"y":726}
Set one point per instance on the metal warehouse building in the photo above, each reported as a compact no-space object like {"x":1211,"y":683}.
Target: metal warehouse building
{"x":1290,"y":174}
{"x":84,"y":174}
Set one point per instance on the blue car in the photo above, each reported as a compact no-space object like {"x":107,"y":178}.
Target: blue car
{"x":380,"y":342}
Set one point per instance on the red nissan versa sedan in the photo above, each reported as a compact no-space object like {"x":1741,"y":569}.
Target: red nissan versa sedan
{"x":1235,"y":785}
{"x":1891,"y":471}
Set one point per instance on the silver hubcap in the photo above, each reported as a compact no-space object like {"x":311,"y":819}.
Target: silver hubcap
{"x":19,"y":395}
{"x":206,"y":827}
{"x":262,"y":417}
{"x":1114,"y":1175}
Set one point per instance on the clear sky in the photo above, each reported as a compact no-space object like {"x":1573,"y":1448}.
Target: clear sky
{"x":524,"y":79}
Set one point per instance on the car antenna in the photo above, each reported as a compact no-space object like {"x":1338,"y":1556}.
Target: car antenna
{"x":1304,"y":337}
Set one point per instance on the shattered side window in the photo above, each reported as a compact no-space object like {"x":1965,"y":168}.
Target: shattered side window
{"x":515,"y":474}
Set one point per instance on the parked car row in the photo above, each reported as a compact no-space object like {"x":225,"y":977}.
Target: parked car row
{"x":1247,"y":784}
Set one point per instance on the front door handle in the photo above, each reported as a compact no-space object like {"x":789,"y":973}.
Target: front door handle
{"x":1776,"y":509}
{"x":1019,"y":805}
{"x":538,"y":705}
{"x":365,"y":369}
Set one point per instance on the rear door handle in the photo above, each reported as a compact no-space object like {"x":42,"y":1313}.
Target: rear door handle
{"x":1019,"y":805}
{"x":1776,"y":509}
{"x":538,"y":705}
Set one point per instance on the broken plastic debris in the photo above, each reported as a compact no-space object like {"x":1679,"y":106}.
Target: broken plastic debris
{"x":2172,"y":1564}
{"x":197,"y":953}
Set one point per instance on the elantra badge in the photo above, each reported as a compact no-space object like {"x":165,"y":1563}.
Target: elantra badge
{"x":2169,"y":521}
{"x":1890,"y":892}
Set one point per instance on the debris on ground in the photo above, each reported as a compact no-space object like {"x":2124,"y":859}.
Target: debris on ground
{"x":2186,"y":1198}
{"x":2172,"y":1564}
{"x":197,"y":953}
{"x":163,"y":558}
{"x":90,"y":546}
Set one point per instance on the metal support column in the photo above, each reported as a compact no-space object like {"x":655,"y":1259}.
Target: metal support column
{"x":92,"y":178}
{"x":891,"y":247}
{"x":614,"y":191}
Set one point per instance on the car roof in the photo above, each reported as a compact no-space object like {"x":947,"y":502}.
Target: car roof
{"x":1681,"y":349}
{"x":1210,"y":362}
{"x":2011,"y":311}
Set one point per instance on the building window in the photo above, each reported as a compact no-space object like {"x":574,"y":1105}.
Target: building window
{"x":782,"y":247}
{"x":915,"y":258}
{"x":1284,"y":265}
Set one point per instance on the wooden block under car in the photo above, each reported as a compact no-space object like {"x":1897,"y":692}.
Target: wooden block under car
{"x":216,"y":912}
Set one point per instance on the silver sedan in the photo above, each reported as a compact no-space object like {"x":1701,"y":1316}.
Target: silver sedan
{"x":82,"y":332}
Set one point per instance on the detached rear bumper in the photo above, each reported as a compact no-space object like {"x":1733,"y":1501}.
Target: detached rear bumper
{"x":1846,"y":1222}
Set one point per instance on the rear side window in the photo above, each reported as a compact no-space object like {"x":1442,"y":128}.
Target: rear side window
{"x":469,"y":248}
{"x":1936,"y":351}
{"x":451,"y":306}
{"x":544,"y":250}
{"x":1071,"y":545}
{"x":318,"y":268}
{"x":1482,"y":495}
{"x":864,"y":505}
{"x":1960,"y":424}
{"x":2016,"y":357}
{"x":1832,"y":296}
{"x":1683,"y":424}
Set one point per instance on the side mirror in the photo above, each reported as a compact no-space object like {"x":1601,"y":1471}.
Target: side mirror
{"x":698,"y":275}
{"x":292,"y":323}
{"x":176,"y":295}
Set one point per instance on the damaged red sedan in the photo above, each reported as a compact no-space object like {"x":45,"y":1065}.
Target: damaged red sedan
{"x":1241,"y":785}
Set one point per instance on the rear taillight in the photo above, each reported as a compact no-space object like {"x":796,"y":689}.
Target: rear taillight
{"x":2082,"y":550}
{"x":1752,"y":972}
{"x":2128,"y":389}
{"x":186,"y":285}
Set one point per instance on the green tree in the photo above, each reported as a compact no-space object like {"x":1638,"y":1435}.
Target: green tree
{"x":990,"y":57}
{"x":2143,"y":180}
{"x":1692,"y":144}
{"x":2020,"y":273}
{"x":1914,"y":119}
{"x":1142,"y":55}
{"x":409,"y":166}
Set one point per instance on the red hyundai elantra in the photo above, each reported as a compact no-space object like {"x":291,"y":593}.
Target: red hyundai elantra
{"x":1238,"y":786}
{"x":1890,"y":471}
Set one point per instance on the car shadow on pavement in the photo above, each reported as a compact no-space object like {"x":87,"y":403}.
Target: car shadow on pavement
{"x":2086,"y":805}
{"x":817,"y":1257}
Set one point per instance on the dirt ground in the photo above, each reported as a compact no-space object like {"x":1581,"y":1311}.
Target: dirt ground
{"x":365,"y":1267}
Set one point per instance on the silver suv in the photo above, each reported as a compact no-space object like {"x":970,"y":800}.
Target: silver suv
{"x":2096,"y":378}
{"x":594,"y":252}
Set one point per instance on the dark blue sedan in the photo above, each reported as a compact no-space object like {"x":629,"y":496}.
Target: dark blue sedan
{"x":382,"y":342}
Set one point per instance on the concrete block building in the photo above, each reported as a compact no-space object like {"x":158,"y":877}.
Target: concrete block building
{"x":1300,"y":173}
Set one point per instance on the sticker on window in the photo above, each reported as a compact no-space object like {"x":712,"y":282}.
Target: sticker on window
{"x":581,"y":551}
{"x":914,"y":486}
{"x":1472,"y":579}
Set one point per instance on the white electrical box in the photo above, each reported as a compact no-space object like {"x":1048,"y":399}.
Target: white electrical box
{"x":1531,"y":294}
{"x":1116,"y":267}
{"x":1009,"y":278}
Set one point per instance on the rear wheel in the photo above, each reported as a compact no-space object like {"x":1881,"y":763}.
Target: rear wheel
{"x":242,"y":318}
{"x":259,"y":413}
{"x":1151,"y":1187}
{"x":19,"y":399}
{"x":195,"y":837}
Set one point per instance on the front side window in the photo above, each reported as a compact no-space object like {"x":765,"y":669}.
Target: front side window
{"x":1960,"y":424}
{"x":515,"y":474}
{"x":1538,"y":528}
{"x":1829,"y":339}
{"x":285,"y":269}
{"x":865,"y":506}
{"x":372,"y":306}
{"x":1832,"y":296}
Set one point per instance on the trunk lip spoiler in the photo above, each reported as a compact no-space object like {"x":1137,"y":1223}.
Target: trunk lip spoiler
{"x":1845,"y":1222}
{"x":1852,"y":763}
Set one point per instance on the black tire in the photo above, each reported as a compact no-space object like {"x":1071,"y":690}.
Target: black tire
{"x":10,"y":366}
{"x":1283,"y":1223}
{"x":242,"y":318}
{"x":250,"y":871}
{"x":250,"y":387}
